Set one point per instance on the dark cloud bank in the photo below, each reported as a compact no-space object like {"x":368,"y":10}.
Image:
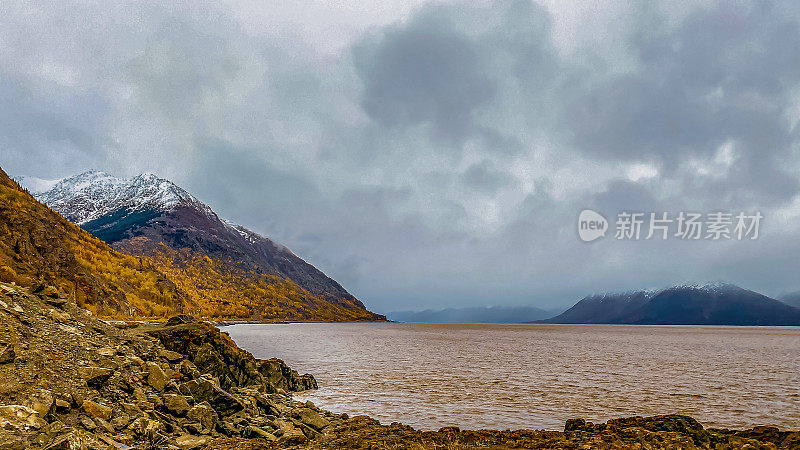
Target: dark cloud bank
{"x":441,"y":160}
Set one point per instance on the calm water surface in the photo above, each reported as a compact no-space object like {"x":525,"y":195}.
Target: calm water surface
{"x":538,"y":376}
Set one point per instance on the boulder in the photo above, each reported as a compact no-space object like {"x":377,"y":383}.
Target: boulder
{"x":203,"y":414}
{"x":59,"y":316}
{"x":103,"y":425}
{"x":43,"y":403}
{"x":20,"y":417}
{"x":95,"y":409}
{"x":131,"y":409}
{"x":188,"y":370}
{"x":575,"y":425}
{"x":75,"y":440}
{"x":88,"y":423}
{"x":96,"y":376}
{"x":76,"y":398}
{"x":189,"y":442}
{"x":7,"y":354}
{"x":684,"y":425}
{"x":156,"y":376}
{"x":62,"y":406}
{"x":282,"y":427}
{"x":155,"y":400}
{"x":311,"y":418}
{"x":146,"y":427}
{"x":121,"y":421}
{"x":203,"y":389}
{"x":180,"y":319}
{"x":176,"y":404}
{"x":45,"y":291}
{"x":257,"y":432}
{"x":292,"y":437}
{"x":112,"y":444}
{"x":146,"y":406}
{"x":170,"y":356}
{"x":139,"y":395}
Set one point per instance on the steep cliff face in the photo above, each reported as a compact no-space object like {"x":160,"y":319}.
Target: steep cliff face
{"x":225,"y":269}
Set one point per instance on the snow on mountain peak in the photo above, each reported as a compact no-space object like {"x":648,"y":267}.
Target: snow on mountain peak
{"x":87,"y":196}
{"x":714,"y":286}
{"x":36,"y":185}
{"x":254,"y":237}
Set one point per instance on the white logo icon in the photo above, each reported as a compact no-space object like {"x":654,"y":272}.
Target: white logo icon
{"x":591,"y":225}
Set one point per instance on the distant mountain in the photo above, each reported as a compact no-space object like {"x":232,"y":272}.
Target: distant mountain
{"x":712,"y":304}
{"x":37,"y":246}
{"x":227,"y":269}
{"x":792,"y":299}
{"x":493,"y":314}
{"x":603,"y":308}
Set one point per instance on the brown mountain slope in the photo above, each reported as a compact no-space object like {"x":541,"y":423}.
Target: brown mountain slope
{"x":118,"y":210}
{"x":38,"y":245}
{"x":222,"y":288}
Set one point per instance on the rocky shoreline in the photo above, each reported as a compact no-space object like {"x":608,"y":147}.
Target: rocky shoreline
{"x":71,"y":381}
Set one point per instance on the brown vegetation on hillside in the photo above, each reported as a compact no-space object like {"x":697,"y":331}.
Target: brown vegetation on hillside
{"x":38,"y":245}
{"x":222,"y":289}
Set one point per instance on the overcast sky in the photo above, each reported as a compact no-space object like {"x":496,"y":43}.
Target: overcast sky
{"x":432,"y":154}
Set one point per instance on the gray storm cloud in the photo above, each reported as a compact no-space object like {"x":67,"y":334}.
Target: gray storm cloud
{"x":439,"y":157}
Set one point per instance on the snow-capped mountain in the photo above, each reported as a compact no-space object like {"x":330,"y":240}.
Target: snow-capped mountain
{"x":137,"y":214}
{"x":91,"y":195}
{"x":35,"y":185}
{"x":716,"y":303}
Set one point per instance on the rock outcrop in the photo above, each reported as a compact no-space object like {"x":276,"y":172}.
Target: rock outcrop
{"x":213,"y":351}
{"x":657,"y":432}
{"x":71,"y":381}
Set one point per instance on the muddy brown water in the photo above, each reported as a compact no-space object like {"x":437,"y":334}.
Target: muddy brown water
{"x":538,"y":376}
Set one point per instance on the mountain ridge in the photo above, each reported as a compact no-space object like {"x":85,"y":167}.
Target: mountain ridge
{"x":90,"y":195}
{"x":688,"y":304}
{"x":792,"y":299}
{"x":38,"y":245}
{"x":137,"y":215}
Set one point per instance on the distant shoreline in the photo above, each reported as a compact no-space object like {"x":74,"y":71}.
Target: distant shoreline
{"x":255,"y":322}
{"x":226,"y":323}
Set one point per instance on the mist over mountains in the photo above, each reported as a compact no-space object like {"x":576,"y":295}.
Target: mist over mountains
{"x":792,"y":299}
{"x":485,"y":314}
